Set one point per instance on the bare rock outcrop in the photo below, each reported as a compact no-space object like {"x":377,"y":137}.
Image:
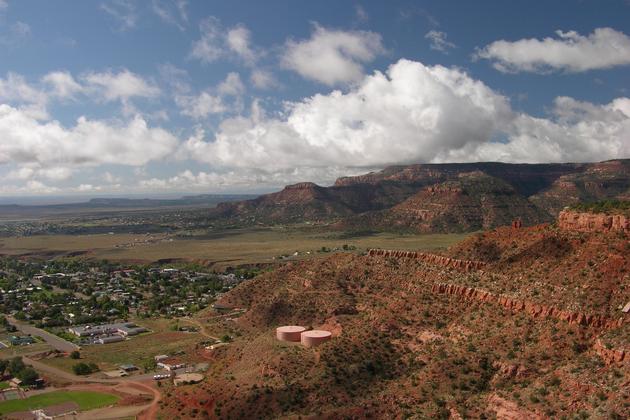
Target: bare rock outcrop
{"x":510,"y":370}
{"x":439,"y":260}
{"x":611,"y":356}
{"x":509,"y":410}
{"x":593,"y":222}
{"x":532,"y":309}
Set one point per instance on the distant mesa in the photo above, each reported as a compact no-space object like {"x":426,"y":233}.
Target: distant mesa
{"x":453,"y":197}
{"x":289,"y":333}
{"x":302,"y":186}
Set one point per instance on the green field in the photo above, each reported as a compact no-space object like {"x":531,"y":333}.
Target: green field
{"x":86,"y":400}
{"x":227,"y":247}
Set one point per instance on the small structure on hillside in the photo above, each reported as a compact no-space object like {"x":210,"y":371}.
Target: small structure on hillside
{"x":290,"y":333}
{"x":188,"y":378}
{"x":517,"y":224}
{"x":128,"y":367}
{"x":21,"y":341}
{"x":314,"y":338}
{"x":171,"y":364}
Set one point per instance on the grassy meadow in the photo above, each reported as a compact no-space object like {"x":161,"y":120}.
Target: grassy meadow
{"x":222,"y":248}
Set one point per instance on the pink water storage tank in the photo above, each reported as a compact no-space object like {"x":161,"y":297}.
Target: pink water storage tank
{"x":289,"y":333}
{"x":314,"y":337}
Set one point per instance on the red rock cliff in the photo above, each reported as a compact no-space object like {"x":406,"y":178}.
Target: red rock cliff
{"x":593,"y":222}
{"x":611,"y":356}
{"x":532,"y":309}
{"x":440,"y":260}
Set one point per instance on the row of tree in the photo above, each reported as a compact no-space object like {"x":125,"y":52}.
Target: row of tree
{"x":18,"y":369}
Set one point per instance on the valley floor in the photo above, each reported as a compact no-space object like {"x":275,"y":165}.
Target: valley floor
{"x":222,"y":248}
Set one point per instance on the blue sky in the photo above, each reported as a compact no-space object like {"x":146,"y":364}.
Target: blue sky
{"x":124,"y":96}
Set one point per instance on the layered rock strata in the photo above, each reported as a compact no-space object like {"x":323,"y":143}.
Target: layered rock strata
{"x":533,"y":309}
{"x":593,"y":222}
{"x":440,"y":260}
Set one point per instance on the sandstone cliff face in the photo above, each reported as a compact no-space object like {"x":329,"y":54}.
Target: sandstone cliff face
{"x":597,"y":181}
{"x":611,"y":356}
{"x":439,"y":260}
{"x":533,"y":309}
{"x":471,"y":201}
{"x":593,"y":222}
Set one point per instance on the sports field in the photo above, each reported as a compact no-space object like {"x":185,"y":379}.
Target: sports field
{"x":86,"y":400}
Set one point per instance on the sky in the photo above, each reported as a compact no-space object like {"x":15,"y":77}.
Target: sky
{"x":195,"y":96}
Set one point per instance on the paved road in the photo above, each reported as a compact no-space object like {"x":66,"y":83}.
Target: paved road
{"x":56,"y":342}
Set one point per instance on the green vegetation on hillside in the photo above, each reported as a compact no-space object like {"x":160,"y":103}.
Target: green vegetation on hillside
{"x":605,"y":206}
{"x":86,"y":400}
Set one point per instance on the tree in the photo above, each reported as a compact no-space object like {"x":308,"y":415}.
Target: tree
{"x":82,"y":369}
{"x":16,"y":365}
{"x":75,"y":355}
{"x":3,"y":366}
{"x":28,"y":376}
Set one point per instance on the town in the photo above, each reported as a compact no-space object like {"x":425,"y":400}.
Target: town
{"x":60,"y":293}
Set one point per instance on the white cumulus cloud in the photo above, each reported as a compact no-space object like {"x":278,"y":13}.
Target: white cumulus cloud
{"x":120,"y":86}
{"x":239,"y":41}
{"x":569,"y":51}
{"x":263,"y":79}
{"x":332,"y":56}
{"x":226,"y":97}
{"x":62,"y":84}
{"x":413,"y":113}
{"x":48,"y":144}
{"x":217,"y":42}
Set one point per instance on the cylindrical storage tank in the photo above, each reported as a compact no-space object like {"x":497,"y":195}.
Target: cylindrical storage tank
{"x":289,"y":333}
{"x":314,"y":337}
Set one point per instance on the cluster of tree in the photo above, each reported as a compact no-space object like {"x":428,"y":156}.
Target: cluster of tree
{"x":84,"y":368}
{"x":4,"y":323}
{"x":605,"y":206}
{"x":16,"y":368}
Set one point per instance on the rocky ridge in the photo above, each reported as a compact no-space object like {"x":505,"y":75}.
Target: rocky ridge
{"x":438,"y":197}
{"x":440,"y":260}
{"x":532,"y":327}
{"x":593,"y":222}
{"x":530,"y":308}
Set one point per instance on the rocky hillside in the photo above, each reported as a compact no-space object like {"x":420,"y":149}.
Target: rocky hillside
{"x":512,"y":323}
{"x":440,"y":197}
{"x":596,"y":182}
{"x":472,"y":201}
{"x":590,"y":222}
